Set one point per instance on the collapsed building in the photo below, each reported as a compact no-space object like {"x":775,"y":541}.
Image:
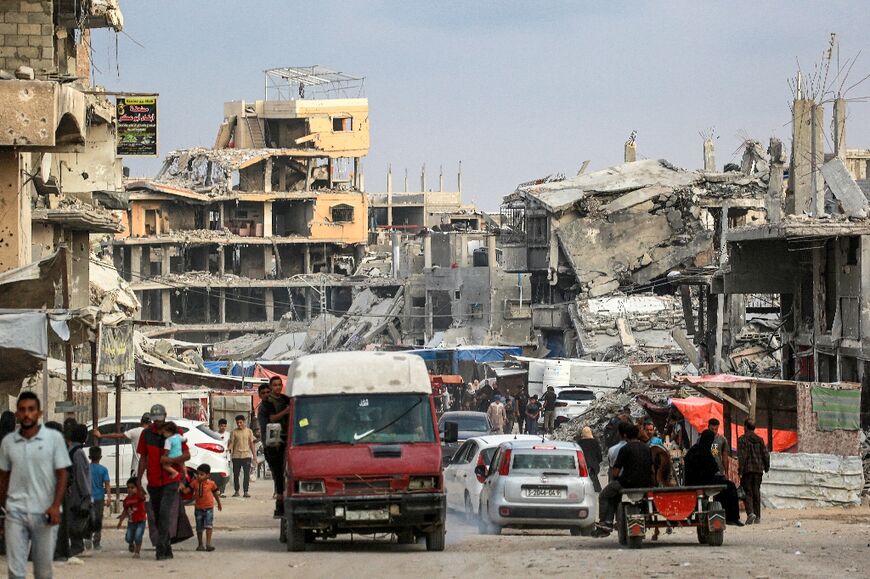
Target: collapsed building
{"x":593,"y":242}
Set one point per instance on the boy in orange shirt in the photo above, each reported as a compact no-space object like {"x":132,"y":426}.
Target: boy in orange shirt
{"x":206,"y":495}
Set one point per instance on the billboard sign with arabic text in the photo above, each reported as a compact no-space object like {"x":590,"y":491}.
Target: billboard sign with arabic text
{"x":137,"y":126}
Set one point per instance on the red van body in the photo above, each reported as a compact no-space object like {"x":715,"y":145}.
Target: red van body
{"x":363,"y":450}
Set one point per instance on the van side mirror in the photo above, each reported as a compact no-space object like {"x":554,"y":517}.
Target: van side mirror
{"x":481,"y":471}
{"x":451,"y":432}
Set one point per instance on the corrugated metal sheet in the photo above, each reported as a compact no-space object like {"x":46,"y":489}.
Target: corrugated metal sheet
{"x":803,"y":480}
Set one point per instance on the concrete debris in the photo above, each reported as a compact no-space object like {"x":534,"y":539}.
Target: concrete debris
{"x":172,"y":353}
{"x":108,"y":290}
{"x":844,"y":188}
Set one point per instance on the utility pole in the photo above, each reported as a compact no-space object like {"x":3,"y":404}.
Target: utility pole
{"x":63,"y":252}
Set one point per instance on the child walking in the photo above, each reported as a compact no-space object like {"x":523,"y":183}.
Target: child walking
{"x":206,"y":495}
{"x":134,"y":512}
{"x":172,"y":445}
{"x":101,"y":494}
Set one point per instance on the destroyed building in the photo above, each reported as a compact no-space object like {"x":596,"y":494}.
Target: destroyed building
{"x":620,"y":231}
{"x":814,"y":255}
{"x":267,"y":223}
{"x":413,"y":211}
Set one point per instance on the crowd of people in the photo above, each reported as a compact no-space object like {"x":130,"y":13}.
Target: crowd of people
{"x":640,"y":458}
{"x":55,"y":494}
{"x":507,"y":411}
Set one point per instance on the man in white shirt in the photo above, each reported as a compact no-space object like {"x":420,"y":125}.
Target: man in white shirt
{"x":33,"y":476}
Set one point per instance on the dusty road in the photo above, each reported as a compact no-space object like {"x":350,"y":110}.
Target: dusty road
{"x":827,"y":543}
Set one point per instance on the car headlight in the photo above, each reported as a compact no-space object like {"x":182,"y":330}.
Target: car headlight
{"x":312,"y":487}
{"x":421,"y":483}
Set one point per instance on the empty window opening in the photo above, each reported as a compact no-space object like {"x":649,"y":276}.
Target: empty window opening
{"x":342,"y":213}
{"x":340,"y":124}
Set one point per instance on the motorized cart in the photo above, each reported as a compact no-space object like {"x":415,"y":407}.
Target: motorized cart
{"x":669,"y":507}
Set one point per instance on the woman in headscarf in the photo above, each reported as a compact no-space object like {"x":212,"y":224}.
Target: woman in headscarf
{"x":702,"y":469}
{"x":592,"y":454}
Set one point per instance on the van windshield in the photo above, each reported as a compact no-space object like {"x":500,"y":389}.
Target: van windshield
{"x":359,"y":418}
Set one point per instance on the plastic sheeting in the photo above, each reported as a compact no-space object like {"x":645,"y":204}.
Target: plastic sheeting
{"x":698,"y":410}
{"x":802,"y":480}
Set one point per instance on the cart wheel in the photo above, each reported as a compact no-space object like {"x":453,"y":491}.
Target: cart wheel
{"x":282,"y":532}
{"x":702,"y":532}
{"x":715,"y":538}
{"x":621,"y":524}
{"x":634,"y":541}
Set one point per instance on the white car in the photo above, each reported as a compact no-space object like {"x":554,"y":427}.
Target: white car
{"x":205,"y":445}
{"x":462,"y":485}
{"x":571,"y":403}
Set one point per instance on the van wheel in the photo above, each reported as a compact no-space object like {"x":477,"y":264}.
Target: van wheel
{"x":436,"y":540}
{"x":295,"y":535}
{"x":282,"y":532}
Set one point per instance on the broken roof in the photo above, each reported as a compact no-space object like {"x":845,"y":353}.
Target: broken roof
{"x":649,"y":175}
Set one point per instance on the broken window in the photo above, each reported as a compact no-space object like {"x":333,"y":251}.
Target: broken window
{"x":852,"y":250}
{"x":342,"y":213}
{"x":340,"y":124}
{"x":418,"y":302}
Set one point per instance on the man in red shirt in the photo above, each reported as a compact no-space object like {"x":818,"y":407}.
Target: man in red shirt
{"x":162,"y":486}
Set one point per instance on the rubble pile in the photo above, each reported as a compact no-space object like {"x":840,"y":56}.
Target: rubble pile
{"x":757,"y":350}
{"x":613,"y":403}
{"x":110,"y":292}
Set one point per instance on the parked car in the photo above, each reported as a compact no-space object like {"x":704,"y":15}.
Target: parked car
{"x":571,"y":403}
{"x":205,"y":446}
{"x":470,"y":424}
{"x":530,"y":484}
{"x":462,"y":483}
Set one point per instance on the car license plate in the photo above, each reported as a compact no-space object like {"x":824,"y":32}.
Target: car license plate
{"x":538,"y":492}
{"x":367,"y":515}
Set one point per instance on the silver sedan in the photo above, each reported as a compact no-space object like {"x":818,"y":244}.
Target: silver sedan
{"x":534,"y":484}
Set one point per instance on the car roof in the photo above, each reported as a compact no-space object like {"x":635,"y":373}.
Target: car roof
{"x":576,"y":389}
{"x":463,"y":414}
{"x":496,"y":439}
{"x":528,"y":444}
{"x":138,"y":420}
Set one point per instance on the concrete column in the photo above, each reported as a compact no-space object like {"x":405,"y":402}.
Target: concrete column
{"x":463,"y":250}
{"x":406,"y":181}
{"x":222,"y":306}
{"x":709,"y":156}
{"x":427,"y":252}
{"x":166,"y":305}
{"x":15,"y":214}
{"x":222,"y":214}
{"x":267,"y":219}
{"x":840,"y":128}
{"x":864,"y":304}
{"x":270,"y":305}
{"x":136,"y":273}
{"x":222,"y":264}
{"x":773,"y":202}
{"x":164,"y":261}
{"x":309,"y":303}
{"x":490,"y":253}
{"x":807,"y":155}
{"x":441,"y":180}
{"x":306,"y":261}
{"x":630,"y":151}
{"x":267,"y":176}
{"x":459,"y":178}
{"x":390,"y":196}
{"x":79,"y":273}
{"x":423,"y":178}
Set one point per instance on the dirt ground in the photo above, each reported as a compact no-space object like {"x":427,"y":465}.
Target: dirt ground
{"x":809,"y":543}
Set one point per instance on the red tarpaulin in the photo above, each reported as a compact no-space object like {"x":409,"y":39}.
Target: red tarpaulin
{"x":698,"y":410}
{"x":260,"y":372}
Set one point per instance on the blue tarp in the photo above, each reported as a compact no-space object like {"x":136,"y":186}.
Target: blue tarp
{"x":476,"y":354}
{"x":215,"y":366}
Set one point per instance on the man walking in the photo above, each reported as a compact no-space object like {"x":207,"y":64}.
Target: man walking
{"x":33,"y":475}
{"x":496,"y":415}
{"x":162,"y":485}
{"x":275,"y":410}
{"x":132,"y":435}
{"x":633,"y":468}
{"x":242,"y":451}
{"x":533,"y":412}
{"x":753,"y":461}
{"x":549,"y":403}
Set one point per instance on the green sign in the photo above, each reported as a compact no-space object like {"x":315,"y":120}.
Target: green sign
{"x":137,"y":126}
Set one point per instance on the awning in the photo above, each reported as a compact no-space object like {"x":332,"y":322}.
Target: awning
{"x":698,"y":410}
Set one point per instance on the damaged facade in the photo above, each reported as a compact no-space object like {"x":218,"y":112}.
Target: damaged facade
{"x":814,"y":255}
{"x":232,"y":238}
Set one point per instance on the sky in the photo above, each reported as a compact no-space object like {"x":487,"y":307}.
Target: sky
{"x":515,"y":90}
